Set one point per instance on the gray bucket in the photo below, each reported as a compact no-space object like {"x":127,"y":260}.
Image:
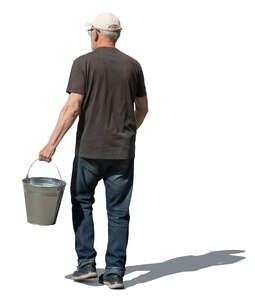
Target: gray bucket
{"x":43,"y":197}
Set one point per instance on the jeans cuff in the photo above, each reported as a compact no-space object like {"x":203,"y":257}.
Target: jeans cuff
{"x":115,"y":270}
{"x":83,"y":262}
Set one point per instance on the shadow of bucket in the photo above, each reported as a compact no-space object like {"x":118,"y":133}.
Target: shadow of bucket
{"x":43,"y":197}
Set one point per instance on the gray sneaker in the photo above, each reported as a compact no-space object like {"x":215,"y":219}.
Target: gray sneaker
{"x":85,"y":272}
{"x":113,"y":281}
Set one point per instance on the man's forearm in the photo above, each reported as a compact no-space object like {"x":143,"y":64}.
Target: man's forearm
{"x":66,"y":118}
{"x":139,"y":117}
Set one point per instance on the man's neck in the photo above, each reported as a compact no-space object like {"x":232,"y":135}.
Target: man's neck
{"x":105,"y":45}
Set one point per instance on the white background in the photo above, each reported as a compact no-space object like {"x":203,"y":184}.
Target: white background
{"x":194,"y":167}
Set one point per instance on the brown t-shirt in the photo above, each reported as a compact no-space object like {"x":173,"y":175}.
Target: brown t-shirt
{"x":110,"y":80}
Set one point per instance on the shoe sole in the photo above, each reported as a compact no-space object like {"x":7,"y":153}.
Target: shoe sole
{"x":114,"y":285}
{"x":85,"y":276}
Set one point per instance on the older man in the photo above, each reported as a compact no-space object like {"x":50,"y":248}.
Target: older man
{"x":103,"y":87}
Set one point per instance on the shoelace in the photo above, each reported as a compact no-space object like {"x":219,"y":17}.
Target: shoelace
{"x":114,"y":275}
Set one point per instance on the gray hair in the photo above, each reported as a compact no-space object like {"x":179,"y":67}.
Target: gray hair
{"x":112,"y":35}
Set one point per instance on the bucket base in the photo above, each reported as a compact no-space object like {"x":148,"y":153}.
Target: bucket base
{"x":42,"y":224}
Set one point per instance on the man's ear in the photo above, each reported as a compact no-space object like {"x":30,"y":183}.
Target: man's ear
{"x":97,"y":35}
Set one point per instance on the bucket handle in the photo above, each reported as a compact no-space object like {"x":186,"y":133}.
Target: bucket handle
{"x":38,"y":159}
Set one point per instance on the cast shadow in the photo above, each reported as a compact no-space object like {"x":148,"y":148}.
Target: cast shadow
{"x":175,"y":265}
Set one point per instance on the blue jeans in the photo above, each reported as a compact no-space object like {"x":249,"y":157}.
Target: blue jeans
{"x":117,"y":175}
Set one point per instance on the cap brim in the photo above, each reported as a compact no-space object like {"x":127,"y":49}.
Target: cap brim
{"x":87,"y":24}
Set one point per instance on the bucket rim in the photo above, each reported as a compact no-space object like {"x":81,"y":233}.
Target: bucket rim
{"x":27,"y":181}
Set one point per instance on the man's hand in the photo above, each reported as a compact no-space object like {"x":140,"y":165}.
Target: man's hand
{"x":47,"y":152}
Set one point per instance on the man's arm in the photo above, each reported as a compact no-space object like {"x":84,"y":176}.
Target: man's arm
{"x":141,"y":110}
{"x":66,"y":118}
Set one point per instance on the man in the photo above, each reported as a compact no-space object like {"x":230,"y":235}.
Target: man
{"x":103,"y":87}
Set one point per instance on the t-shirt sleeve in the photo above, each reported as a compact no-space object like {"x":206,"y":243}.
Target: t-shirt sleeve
{"x":141,"y":88}
{"x":76,"y":82}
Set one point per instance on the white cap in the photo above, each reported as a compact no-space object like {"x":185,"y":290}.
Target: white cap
{"x":105,"y":21}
